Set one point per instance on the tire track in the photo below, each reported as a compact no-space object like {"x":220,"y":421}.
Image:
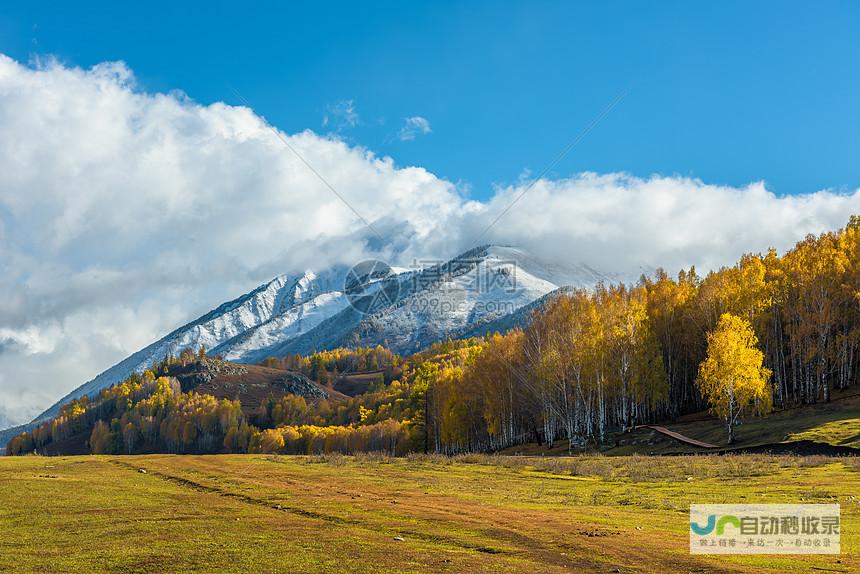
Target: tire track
{"x":310,"y":514}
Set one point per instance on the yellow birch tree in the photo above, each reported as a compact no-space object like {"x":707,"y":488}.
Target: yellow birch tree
{"x":733,"y":377}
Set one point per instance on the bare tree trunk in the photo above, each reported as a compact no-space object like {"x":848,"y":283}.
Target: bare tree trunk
{"x":731,"y":428}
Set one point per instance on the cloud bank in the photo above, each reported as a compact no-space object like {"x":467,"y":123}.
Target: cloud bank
{"x":124,"y":214}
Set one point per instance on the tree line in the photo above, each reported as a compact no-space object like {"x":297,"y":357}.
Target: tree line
{"x":769,"y":332}
{"x":325,"y":367}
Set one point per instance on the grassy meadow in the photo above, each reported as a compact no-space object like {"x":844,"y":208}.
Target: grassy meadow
{"x":258,"y":513}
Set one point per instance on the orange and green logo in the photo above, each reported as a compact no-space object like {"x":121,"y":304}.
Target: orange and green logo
{"x":765,"y":529}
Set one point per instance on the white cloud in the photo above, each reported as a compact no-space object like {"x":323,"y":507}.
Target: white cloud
{"x":124,"y":214}
{"x":616,"y":221}
{"x":341,"y":115}
{"x":413,"y":126}
{"x":28,"y":341}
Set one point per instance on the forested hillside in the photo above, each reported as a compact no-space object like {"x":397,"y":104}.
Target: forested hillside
{"x":618,"y":356}
{"x":769,"y":332}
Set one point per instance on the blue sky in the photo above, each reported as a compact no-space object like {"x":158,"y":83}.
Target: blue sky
{"x":726,"y":92}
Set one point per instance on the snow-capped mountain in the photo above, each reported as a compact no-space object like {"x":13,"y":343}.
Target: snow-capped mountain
{"x":473,"y":289}
{"x":316,"y":311}
{"x":277,"y":298}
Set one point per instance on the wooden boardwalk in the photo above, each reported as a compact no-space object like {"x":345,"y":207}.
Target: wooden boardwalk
{"x":678,"y":436}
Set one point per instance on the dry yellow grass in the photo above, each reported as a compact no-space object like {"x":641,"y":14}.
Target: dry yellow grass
{"x":344,"y":514}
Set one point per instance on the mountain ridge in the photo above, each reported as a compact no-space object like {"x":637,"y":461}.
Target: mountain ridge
{"x":482,"y":288}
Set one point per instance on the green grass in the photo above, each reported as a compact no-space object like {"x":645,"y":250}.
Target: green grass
{"x":836,"y":423}
{"x":471,"y":514}
{"x":844,"y":432}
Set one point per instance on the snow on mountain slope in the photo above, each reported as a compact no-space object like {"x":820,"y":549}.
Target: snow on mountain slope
{"x":578,"y":276}
{"x":219,"y":325}
{"x":300,"y":314}
{"x":478,"y":287}
{"x":259,"y":342}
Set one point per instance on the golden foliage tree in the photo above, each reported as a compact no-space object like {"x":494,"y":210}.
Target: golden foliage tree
{"x":733,"y":377}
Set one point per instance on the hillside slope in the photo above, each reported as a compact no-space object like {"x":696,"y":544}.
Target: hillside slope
{"x":823,"y":428}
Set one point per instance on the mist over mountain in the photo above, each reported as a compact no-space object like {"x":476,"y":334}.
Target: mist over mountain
{"x":5,"y":421}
